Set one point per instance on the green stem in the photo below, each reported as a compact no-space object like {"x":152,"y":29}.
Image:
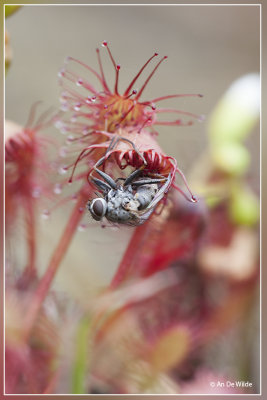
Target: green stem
{"x":81,"y":359}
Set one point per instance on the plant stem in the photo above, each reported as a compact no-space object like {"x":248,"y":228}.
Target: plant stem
{"x":59,"y":253}
{"x":140,"y":235}
{"x":30,"y":221}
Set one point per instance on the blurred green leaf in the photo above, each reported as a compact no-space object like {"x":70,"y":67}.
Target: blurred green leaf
{"x":9,"y":10}
{"x":82,"y":354}
{"x":237,"y":112}
{"x":232,"y":158}
{"x":244,"y":207}
{"x":7,"y":64}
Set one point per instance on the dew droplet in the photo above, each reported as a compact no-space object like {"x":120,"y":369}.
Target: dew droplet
{"x":62,"y":152}
{"x":79,"y":82}
{"x":58,"y":124}
{"x":82,"y":227}
{"x":61,"y":73}
{"x":63,"y":170}
{"x":45,"y":214}
{"x":64,"y":107}
{"x":36,"y":192}
{"x":69,"y":139}
{"x":57,"y":188}
{"x":77,"y":106}
{"x":201,"y":118}
{"x":85,"y":130}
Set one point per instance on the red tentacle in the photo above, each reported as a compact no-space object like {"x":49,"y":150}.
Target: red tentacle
{"x":172,"y":96}
{"x":84,"y":153}
{"x":86,"y":67}
{"x":138,"y":74}
{"x":173,"y":110}
{"x":149,"y":77}
{"x":102,"y":72}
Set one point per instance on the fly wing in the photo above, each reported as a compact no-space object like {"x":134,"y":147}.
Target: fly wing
{"x":159,"y":196}
{"x":139,"y":217}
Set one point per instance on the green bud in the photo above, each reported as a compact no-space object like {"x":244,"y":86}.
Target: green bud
{"x":231,"y":158}
{"x":238,"y":111}
{"x":244,"y":207}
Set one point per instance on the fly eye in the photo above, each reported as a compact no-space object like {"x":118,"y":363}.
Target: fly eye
{"x":98,"y":208}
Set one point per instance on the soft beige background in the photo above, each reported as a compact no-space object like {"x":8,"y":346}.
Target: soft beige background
{"x":208,"y":48}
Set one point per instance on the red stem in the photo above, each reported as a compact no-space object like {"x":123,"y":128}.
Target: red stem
{"x":55,"y":261}
{"x":138,"y":237}
{"x":30,"y":226}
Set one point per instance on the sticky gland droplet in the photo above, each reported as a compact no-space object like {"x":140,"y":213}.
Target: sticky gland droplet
{"x":36,"y":192}
{"x":62,"y":152}
{"x":77,"y":106}
{"x":45,"y":214}
{"x":104,"y":43}
{"x":58,"y":188}
{"x":79,"y":82}
{"x":61,"y":73}
{"x":201,"y":118}
{"x":82,"y":227}
{"x":194,"y":199}
{"x":63,"y":170}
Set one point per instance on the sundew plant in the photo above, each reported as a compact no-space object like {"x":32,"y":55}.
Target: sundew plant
{"x":185,"y":289}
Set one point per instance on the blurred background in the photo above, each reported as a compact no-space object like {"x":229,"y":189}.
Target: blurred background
{"x":208,"y":47}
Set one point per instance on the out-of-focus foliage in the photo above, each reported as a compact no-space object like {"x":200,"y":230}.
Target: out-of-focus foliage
{"x":9,"y":10}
